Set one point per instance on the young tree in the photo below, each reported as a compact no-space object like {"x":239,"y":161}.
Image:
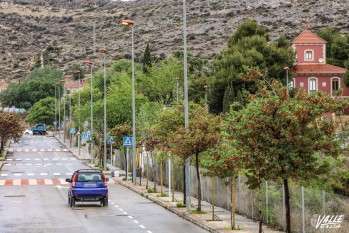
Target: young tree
{"x":202,"y":134}
{"x":10,"y":128}
{"x":280,"y":138}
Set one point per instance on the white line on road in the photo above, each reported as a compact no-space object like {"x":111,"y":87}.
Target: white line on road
{"x":124,"y":213}
{"x":4,"y":174}
{"x":43,"y":174}
{"x":30,"y":174}
{"x":56,"y":174}
{"x":135,"y":221}
{"x":28,"y":164}
{"x":142,"y":226}
{"x":130,"y":217}
{"x":17,"y":174}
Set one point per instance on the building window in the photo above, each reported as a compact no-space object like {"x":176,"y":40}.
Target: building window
{"x":312,"y":85}
{"x":309,"y":55}
{"x":335,"y":86}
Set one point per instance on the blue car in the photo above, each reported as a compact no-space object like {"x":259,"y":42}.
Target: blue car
{"x":88,"y":185}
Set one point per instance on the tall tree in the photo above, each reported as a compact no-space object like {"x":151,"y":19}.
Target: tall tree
{"x":248,"y":46}
{"x":147,"y":60}
{"x":280,"y":138}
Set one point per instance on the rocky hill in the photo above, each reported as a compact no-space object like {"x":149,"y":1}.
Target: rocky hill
{"x":61,"y":32}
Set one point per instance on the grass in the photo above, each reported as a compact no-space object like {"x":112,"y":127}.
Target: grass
{"x":124,"y":179}
{"x":180,"y":205}
{"x":229,"y":228}
{"x":198,"y":212}
{"x":162,"y":195}
{"x":150,"y":190}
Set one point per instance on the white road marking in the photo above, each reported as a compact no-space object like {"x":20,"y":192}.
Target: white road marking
{"x":130,"y":217}
{"x":149,"y":232}
{"x":48,"y":181}
{"x":18,"y":159}
{"x":142,"y":226}
{"x":116,"y":206}
{"x":2,"y":182}
{"x":17,"y":174}
{"x":8,"y":159}
{"x":29,"y":164}
{"x":45,"y":159}
{"x":4,"y":174}
{"x":30,"y":174}
{"x":16,"y":182}
{"x":121,"y":209}
{"x":135,"y":221}
{"x":124,"y":213}
{"x":56,"y":174}
{"x":27,"y":159}
{"x":38,"y":164}
{"x":32,"y":182}
{"x":36,"y":159}
{"x":7,"y":164}
{"x":43,"y":174}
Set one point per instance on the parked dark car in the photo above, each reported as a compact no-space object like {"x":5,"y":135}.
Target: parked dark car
{"x":88,"y":185}
{"x":39,"y":129}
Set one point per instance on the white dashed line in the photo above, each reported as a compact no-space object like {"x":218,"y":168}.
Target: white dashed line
{"x":36,"y":159}
{"x":17,"y":174}
{"x":56,"y":174}
{"x":116,"y":206}
{"x":30,"y":174}
{"x":4,"y":174}
{"x":121,"y":209}
{"x":29,"y":164}
{"x":142,"y":226}
{"x":27,"y":159}
{"x":43,"y":174}
{"x":124,"y":213}
{"x":135,"y":221}
{"x":149,"y":232}
{"x":130,"y":217}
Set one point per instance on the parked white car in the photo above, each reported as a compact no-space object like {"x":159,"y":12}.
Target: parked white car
{"x":28,"y":132}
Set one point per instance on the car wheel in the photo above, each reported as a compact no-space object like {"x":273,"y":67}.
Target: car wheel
{"x":26,"y":133}
{"x":105,"y":202}
{"x":72,"y":202}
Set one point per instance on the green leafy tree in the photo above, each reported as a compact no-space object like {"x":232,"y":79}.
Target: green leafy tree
{"x":285,"y":139}
{"x":10,"y":128}
{"x":37,"y":86}
{"x":42,"y":112}
{"x":248,"y":46}
{"x":147,"y":60}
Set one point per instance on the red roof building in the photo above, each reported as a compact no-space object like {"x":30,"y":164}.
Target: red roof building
{"x":3,"y":85}
{"x":311,"y":71}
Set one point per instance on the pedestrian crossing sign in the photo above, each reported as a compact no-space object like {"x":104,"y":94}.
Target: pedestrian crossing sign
{"x":127,"y":141}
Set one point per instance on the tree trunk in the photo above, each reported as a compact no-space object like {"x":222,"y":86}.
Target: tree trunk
{"x":184,"y":186}
{"x":212,"y":196}
{"x":147,"y":172}
{"x":233,"y":205}
{"x":161,"y":177}
{"x":287,"y":205}
{"x":260,"y":210}
{"x":1,"y":146}
{"x":199,"y":181}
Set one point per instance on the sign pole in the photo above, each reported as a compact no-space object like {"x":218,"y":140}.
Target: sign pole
{"x":126,"y":163}
{"x":111,"y":154}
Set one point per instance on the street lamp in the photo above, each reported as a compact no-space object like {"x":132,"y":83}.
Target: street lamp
{"x":104,"y":51}
{"x":62,"y":81}
{"x":131,"y":23}
{"x":55,"y":123}
{"x":286,"y":69}
{"x":186,"y":105}
{"x":70,"y":110}
{"x":59,"y":108}
{"x":90,"y":63}
{"x":79,"y":133}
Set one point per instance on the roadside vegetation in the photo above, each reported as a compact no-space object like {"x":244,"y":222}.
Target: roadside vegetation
{"x":253,"y":124}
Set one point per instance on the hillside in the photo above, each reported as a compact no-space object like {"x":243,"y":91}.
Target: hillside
{"x":61,"y":31}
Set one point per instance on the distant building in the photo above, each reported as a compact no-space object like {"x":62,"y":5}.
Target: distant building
{"x":311,"y":71}
{"x":74,"y":86}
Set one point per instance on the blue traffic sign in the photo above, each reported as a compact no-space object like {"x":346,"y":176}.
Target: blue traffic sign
{"x":110,"y":139}
{"x":72,"y":130}
{"x":127,"y":141}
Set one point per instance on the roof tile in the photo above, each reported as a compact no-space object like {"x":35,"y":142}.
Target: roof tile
{"x":318,"y":69}
{"x":307,"y":37}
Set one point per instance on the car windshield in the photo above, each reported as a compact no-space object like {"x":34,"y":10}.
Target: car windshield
{"x":89,"y":176}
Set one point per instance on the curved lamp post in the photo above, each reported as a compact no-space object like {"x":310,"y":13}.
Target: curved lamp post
{"x":79,"y":133}
{"x":131,"y":23}
{"x":286,"y":69}
{"x":70,"y":110}
{"x":104,"y":51}
{"x":90,"y":63}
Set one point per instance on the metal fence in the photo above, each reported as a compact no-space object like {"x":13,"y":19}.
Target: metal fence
{"x":305,"y":203}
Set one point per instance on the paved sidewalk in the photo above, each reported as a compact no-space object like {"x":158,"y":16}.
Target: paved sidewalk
{"x":222,"y":224}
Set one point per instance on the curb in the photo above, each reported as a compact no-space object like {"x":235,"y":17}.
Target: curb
{"x":172,"y":209}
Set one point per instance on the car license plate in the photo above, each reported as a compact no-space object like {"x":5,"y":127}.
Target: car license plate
{"x":90,"y":185}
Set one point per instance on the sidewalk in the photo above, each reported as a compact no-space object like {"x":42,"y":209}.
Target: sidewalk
{"x":222,"y":216}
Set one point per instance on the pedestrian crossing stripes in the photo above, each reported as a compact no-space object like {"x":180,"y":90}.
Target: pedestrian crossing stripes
{"x":38,"y":150}
{"x":38,"y":159}
{"x":33,"y":174}
{"x":54,"y":181}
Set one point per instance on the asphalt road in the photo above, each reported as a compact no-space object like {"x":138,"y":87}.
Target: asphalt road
{"x":44,"y":208}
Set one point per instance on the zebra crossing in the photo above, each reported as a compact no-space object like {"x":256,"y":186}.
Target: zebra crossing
{"x":38,"y":150}
{"x":53,"y":181}
{"x":35,"y":174}
{"x":39,"y":159}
